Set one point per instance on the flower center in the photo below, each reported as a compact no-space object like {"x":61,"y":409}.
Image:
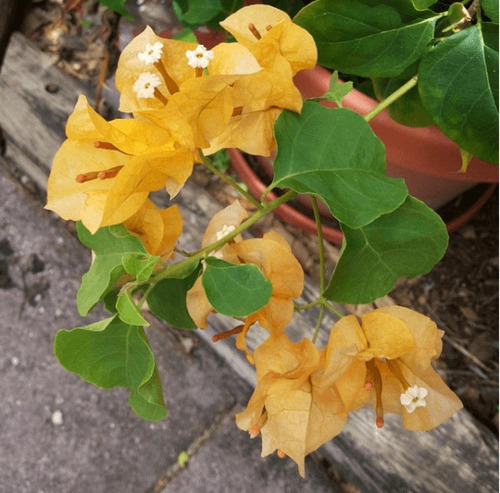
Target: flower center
{"x":102,"y":175}
{"x":256,"y":32}
{"x":199,"y":59}
{"x":228,"y":333}
{"x":413,"y":397}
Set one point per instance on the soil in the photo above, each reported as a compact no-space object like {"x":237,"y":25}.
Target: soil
{"x":460,"y":293}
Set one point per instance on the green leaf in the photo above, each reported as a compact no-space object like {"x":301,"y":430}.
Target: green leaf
{"x":167,"y":300}
{"x":117,"y":6}
{"x":334,"y":154}
{"x":371,"y":38}
{"x":291,"y":7}
{"x":408,"y":109}
{"x":196,"y":12}
{"x":490,"y":8}
{"x":423,"y":4}
{"x":187,"y":35}
{"x":458,"y":85}
{"x":405,"y":243}
{"x":110,"y":244}
{"x":337,"y":90}
{"x":128,"y":311}
{"x":140,"y":267}
{"x":235,"y":290}
{"x":110,"y":354}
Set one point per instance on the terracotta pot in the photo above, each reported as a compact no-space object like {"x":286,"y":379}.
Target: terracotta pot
{"x":424,"y":157}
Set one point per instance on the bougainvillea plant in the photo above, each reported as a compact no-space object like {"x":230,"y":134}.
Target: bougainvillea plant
{"x":186,"y":103}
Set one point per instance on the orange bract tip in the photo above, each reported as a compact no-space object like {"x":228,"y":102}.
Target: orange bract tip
{"x":254,"y":431}
{"x":281,"y":454}
{"x":379,"y":422}
{"x":368,"y":386}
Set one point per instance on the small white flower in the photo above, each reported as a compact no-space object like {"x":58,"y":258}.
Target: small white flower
{"x":413,"y":397}
{"x":224,"y":232}
{"x":219,"y":235}
{"x":151,"y":54}
{"x":145,"y":85}
{"x":200,"y":57}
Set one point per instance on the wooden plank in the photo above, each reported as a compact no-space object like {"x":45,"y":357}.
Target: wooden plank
{"x":459,"y":456}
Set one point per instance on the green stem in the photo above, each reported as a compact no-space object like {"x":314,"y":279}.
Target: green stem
{"x":321,"y":245}
{"x":318,"y":323}
{"x":391,"y":98}
{"x":172,"y":269}
{"x":145,"y":295}
{"x":333,"y":309}
{"x":321,"y":250}
{"x":230,"y":181}
{"x":298,"y":308}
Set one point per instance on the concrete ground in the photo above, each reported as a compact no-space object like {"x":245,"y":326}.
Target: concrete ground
{"x":61,"y":434}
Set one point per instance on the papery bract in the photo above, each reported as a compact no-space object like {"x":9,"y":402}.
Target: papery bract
{"x":383,"y":357}
{"x":158,"y":229}
{"x":273,"y":257}
{"x":131,"y":65}
{"x":294,"y":414}
{"x":104,"y":171}
{"x":283,"y":46}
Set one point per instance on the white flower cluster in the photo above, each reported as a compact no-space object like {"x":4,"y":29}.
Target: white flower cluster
{"x":200,"y":57}
{"x":224,"y":231}
{"x":152,"y":53}
{"x":414,"y":397}
{"x":145,"y":85}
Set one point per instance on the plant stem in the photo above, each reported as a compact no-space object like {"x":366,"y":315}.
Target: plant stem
{"x":333,"y":309}
{"x":298,"y":308}
{"x":145,"y":295}
{"x":321,"y":246}
{"x":230,"y":181}
{"x":171,"y":270}
{"x":391,"y":98}
{"x":318,"y":323}
{"x":321,"y":250}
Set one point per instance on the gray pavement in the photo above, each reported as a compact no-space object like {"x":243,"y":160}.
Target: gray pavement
{"x":61,"y":434}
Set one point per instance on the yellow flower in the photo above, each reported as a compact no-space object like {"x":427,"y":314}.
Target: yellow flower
{"x":291,"y":406}
{"x":386,"y":362}
{"x":256,"y":101}
{"x":158,"y":229}
{"x":206,"y":101}
{"x":104,"y":171}
{"x":273,"y":257}
{"x":276,"y":42}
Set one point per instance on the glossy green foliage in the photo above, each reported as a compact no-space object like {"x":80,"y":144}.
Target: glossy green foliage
{"x":111,"y":353}
{"x":405,"y":243}
{"x":235,"y":290}
{"x":371,"y":38}
{"x":408,"y":109}
{"x":167,"y":300}
{"x":110,"y":245}
{"x":334,"y":154}
{"x":458,"y":85}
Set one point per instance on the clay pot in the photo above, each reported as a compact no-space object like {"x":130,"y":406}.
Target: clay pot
{"x":426,"y":159}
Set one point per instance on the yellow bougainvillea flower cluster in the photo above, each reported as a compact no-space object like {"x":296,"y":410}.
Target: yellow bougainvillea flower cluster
{"x":303,"y":395}
{"x":186,"y":100}
{"x":183,"y":98}
{"x":273,"y":257}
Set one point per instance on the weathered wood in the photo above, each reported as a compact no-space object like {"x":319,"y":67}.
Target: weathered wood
{"x":458,"y":456}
